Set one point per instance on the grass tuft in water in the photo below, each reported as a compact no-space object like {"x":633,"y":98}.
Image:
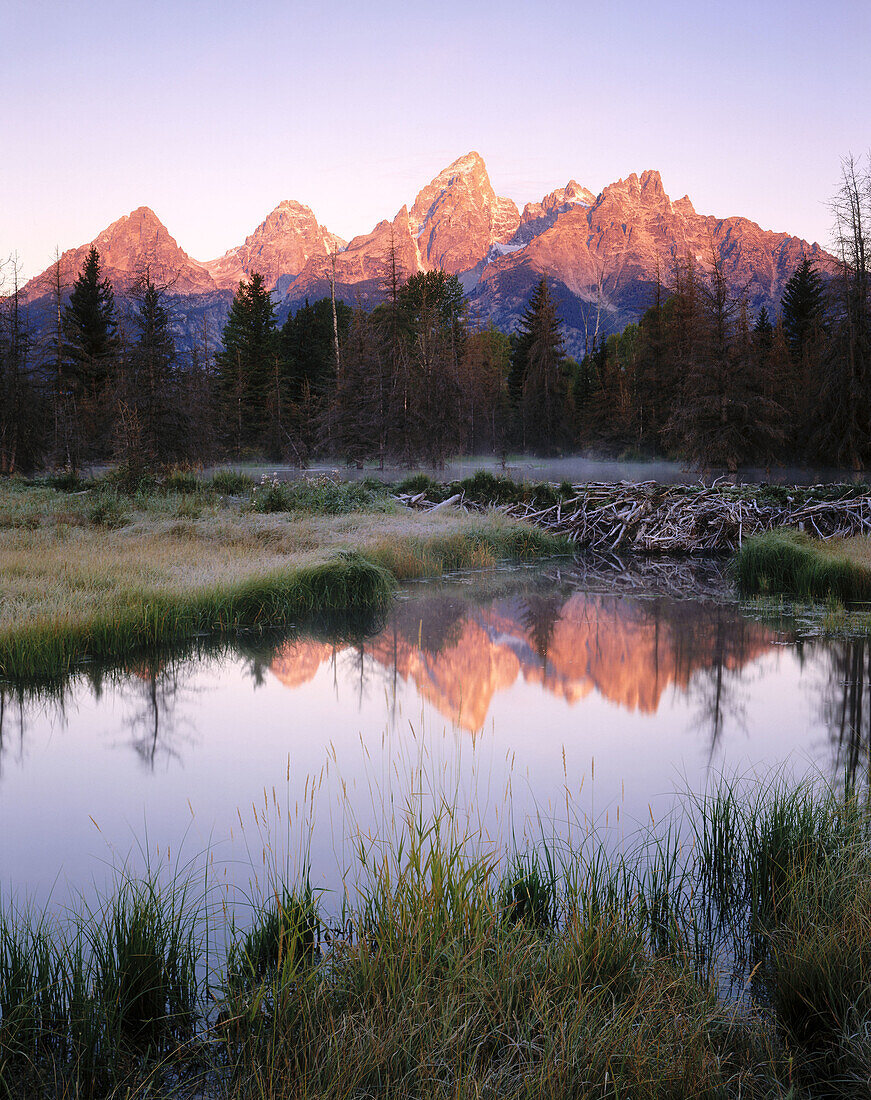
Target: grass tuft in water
{"x":528,"y":890}
{"x":788,"y":562}
{"x":285,"y":933}
{"x":456,"y":970}
{"x":346,"y":581}
{"x":105,"y":1001}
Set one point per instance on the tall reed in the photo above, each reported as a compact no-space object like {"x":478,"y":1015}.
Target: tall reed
{"x":453,"y":968}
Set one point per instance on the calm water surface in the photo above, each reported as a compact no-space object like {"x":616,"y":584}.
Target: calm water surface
{"x":546,"y":698}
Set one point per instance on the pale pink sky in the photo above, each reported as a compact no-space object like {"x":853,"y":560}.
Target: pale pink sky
{"x":211,"y":112}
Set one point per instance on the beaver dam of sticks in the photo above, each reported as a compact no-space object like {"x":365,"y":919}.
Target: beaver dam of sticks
{"x":652,"y":518}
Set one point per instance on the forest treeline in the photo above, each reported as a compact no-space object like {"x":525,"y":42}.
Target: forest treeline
{"x":699,"y":377}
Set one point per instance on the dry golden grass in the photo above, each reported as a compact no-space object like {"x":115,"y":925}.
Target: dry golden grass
{"x":856,"y":549}
{"x":68,"y":560}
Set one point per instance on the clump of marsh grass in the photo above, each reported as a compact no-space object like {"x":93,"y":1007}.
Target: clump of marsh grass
{"x":106,"y":1000}
{"x":231,"y":482}
{"x":786,"y":562}
{"x":68,"y":481}
{"x":453,"y":970}
{"x":107,"y":510}
{"x":285,"y":932}
{"x":527,"y":892}
{"x":458,"y":973}
{"x":143,"y":954}
{"x":469,"y":548}
{"x":345,"y":581}
{"x":182,"y":481}
{"x":320,"y":495}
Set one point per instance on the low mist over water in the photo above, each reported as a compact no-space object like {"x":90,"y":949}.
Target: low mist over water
{"x":578,"y":469}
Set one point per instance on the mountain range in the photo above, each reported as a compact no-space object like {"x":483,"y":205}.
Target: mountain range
{"x":600,"y":253}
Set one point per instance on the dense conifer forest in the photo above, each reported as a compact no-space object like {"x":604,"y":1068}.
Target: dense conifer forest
{"x":698,"y":378}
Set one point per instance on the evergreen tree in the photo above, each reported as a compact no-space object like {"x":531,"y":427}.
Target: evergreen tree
{"x":151,"y":424}
{"x":198,"y":399}
{"x":655,"y":379}
{"x":802,"y":307}
{"x":484,"y":380}
{"x":22,"y":421}
{"x":251,"y":385}
{"x":307,"y":351}
{"x":308,"y":365}
{"x":538,"y":374}
{"x":354,"y":423}
{"x":90,"y":351}
{"x":763,"y":335}
{"x":431,"y":308}
{"x":723,"y":417}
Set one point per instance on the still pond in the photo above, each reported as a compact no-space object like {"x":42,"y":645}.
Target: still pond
{"x":537,"y":701}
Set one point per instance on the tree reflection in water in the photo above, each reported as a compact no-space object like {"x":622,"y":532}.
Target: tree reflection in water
{"x":153,"y":728}
{"x":846,"y":706}
{"x":629,"y":633}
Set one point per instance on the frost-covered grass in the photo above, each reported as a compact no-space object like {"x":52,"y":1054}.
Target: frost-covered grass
{"x":95,"y":571}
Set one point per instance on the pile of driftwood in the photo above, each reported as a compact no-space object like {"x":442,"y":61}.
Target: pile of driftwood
{"x":690,"y":519}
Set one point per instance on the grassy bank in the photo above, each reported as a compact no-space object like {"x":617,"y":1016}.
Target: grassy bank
{"x":456,"y":971}
{"x":790,"y":563}
{"x":96,"y":572}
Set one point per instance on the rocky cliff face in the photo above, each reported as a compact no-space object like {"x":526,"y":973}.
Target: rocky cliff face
{"x":538,"y":216}
{"x":458,"y":216}
{"x":363,"y":270}
{"x":277,"y":249}
{"x":453,"y":224}
{"x":601,"y":253}
{"x":128,"y":247}
{"x":605,"y":256}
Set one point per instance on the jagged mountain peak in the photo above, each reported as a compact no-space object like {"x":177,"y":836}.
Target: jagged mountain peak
{"x":278,"y":249}
{"x":467,"y":163}
{"x":141,"y":215}
{"x":601,"y":252}
{"x":645,"y":188}
{"x":135,"y":244}
{"x":140,"y":221}
{"x":539,"y":216}
{"x":458,"y":216}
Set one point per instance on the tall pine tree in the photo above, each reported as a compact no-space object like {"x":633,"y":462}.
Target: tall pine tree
{"x":802,"y":307}
{"x":151,"y":423}
{"x":538,"y":377}
{"x":250,"y":381}
{"x":90,"y":354}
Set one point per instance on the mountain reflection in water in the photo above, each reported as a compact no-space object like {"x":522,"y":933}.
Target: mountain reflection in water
{"x":629,"y":635}
{"x":511,"y":680}
{"x":460,"y":654}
